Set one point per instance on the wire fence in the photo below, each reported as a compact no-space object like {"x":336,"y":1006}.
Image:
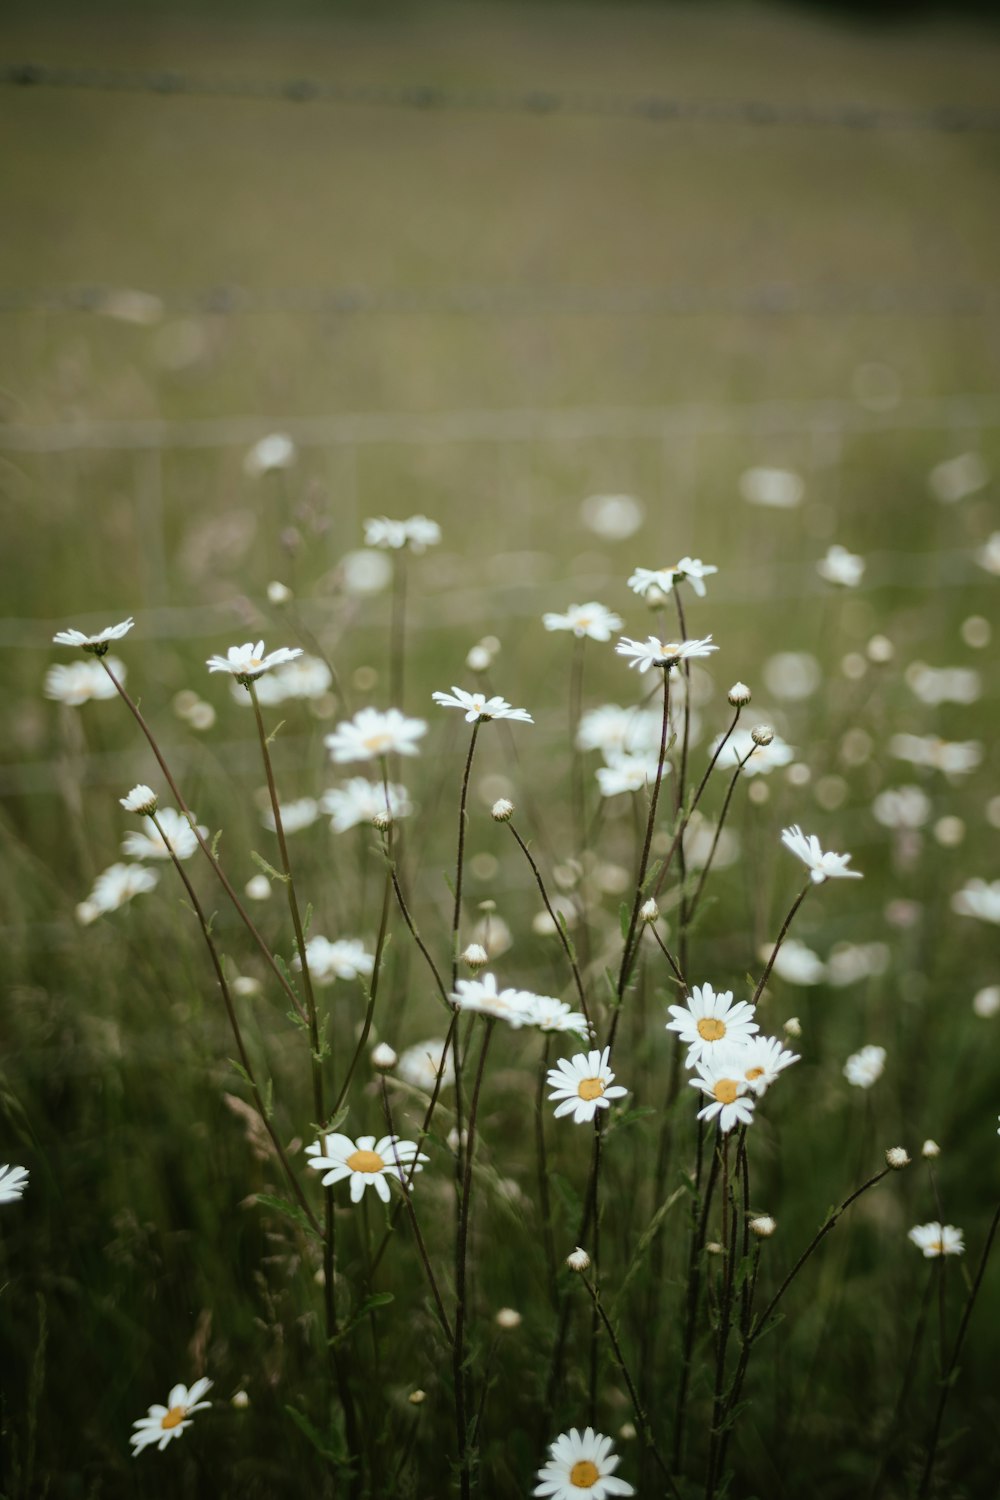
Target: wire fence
{"x":538,"y":102}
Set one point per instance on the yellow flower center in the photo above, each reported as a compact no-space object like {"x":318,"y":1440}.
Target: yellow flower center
{"x":590,"y":1088}
{"x":377,"y":742}
{"x":173,"y":1418}
{"x":365,"y":1161}
{"x":710,"y":1029}
{"x":753,"y":1073}
{"x":583,"y":1474}
{"x":726,"y":1090}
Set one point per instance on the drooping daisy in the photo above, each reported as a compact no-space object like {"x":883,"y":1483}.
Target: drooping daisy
{"x":302,"y":813}
{"x":114,"y":887}
{"x":762,"y":1059}
{"x":821,"y":866}
{"x":584,"y":1084}
{"x":581,"y":1465}
{"x":420,"y":1065}
{"x":978,"y":898}
{"x":711,"y":1020}
{"x":645,"y":580}
{"x":77,"y":682}
{"x":148,"y":843}
{"x":166,"y":1422}
{"x":482,"y":996}
{"x":97,"y":644}
{"x":937,"y":1239}
{"x":13,"y":1181}
{"x":866,"y":1067}
{"x":418,"y":533}
{"x":359,"y":801}
{"x":656,"y":653}
{"x":344,"y":959}
{"x":629,"y":773}
{"x":757,"y":760}
{"x":722,"y":1076}
{"x":591,"y":620}
{"x":372,"y":734}
{"x":478,"y":708}
{"x":366,"y":1162}
{"x":841,"y":567}
{"x":250,"y":660}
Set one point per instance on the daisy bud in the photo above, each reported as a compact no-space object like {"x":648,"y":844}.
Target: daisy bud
{"x":141,"y":799}
{"x":762,"y":734}
{"x":793,"y":1027}
{"x":739,"y":695}
{"x":502,"y":810}
{"x":278,"y":593}
{"x":763,"y":1227}
{"x":508,"y":1317}
{"x":382,"y":821}
{"x":476,"y":957}
{"x":240,"y":1400}
{"x":417,"y":1398}
{"x":897,"y":1158}
{"x":245,"y":986}
{"x":649,"y":911}
{"x":930,"y":1149}
{"x":713,"y":1248}
{"x":383,"y":1057}
{"x":579,"y":1260}
{"x":627,"y":1431}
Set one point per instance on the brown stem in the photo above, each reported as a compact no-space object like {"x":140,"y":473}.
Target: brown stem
{"x":564,"y":940}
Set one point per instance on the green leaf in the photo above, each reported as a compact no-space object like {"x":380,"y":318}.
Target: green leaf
{"x":323,"y":1445}
{"x":268,"y":869}
{"x":275,"y":732}
{"x":286,"y":1209}
{"x":214,"y":845}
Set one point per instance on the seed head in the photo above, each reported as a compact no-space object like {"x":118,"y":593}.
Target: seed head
{"x":762,"y":734}
{"x":579,"y":1260}
{"x":739,"y":695}
{"x":502,"y":810}
{"x":897,"y":1158}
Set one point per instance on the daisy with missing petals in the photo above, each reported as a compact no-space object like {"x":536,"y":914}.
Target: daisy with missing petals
{"x":710,"y":1020}
{"x":762,"y":1059}
{"x":365,"y":1162}
{"x":591,"y":620}
{"x":937,"y":1239}
{"x":478,"y":708}
{"x":722,"y":1076}
{"x":13,"y":1181}
{"x":584,"y":1085}
{"x":97,"y":644}
{"x":581,"y":1465}
{"x":359,"y":801}
{"x":372,"y":734}
{"x":821,"y":866}
{"x":656,"y":653}
{"x":645,"y":581}
{"x":248,"y":660}
{"x":481,"y":995}
{"x":344,"y":959}
{"x":148,"y":843}
{"x":166,"y":1422}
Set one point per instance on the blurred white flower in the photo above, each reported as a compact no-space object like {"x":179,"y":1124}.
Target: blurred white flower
{"x":278,"y":593}
{"x":822,"y":866}
{"x":978,"y":898}
{"x":114,"y":887}
{"x":478,"y":708}
{"x":417,"y":533}
{"x":791,"y":675}
{"x":795,"y":963}
{"x":250,"y":660}
{"x":722,"y":1076}
{"x":591,"y":620}
{"x":986,"y":1002}
{"x":663,"y":579}
{"x":258,"y":887}
{"x":953,"y":758}
{"x":957,"y":477}
{"x":629,"y":773}
{"x":698,"y":840}
{"x":782,"y":489}
{"x":614,"y":730}
{"x":555,"y":1015}
{"x":97,"y":644}
{"x":493,"y":933}
{"x":847,"y":963}
{"x":360,"y":801}
{"x":937,"y":1239}
{"x":365,"y":572}
{"x":141,"y":799}
{"x":420,"y":1064}
{"x":613,"y":517}
{"x":988,"y":556}
{"x":865,"y":1067}
{"x":166,"y":1422}
{"x":372,"y":734}
{"x":308,"y":677}
{"x":902,"y":807}
{"x":149,"y":842}
{"x":936,"y":685}
{"x":365,"y":1162}
{"x":841,"y":567}
{"x":656,"y":653}
{"x":13,"y":1181}
{"x":78,"y":682}
{"x":344,"y":959}
{"x":301,"y":813}
{"x":582,"y":1085}
{"x":759,"y":760}
{"x":275,"y":451}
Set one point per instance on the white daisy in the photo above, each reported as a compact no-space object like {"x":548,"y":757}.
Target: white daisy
{"x":762,"y":1059}
{"x":141,"y":799}
{"x":581,"y":1465}
{"x":372,"y":734}
{"x":866,"y":1067}
{"x":937,"y":1239}
{"x":418,"y":533}
{"x":937,"y":685}
{"x":553,"y":1015}
{"x":584,"y":1085}
{"x":308,"y":677}
{"x":302,"y":813}
{"x":97,"y":644}
{"x":710,"y":1020}
{"x":250,"y":660}
{"x":148,"y":843}
{"x":478,"y":708}
{"x":978,"y":898}
{"x":850,"y":962}
{"x":482,"y":996}
{"x":821,"y":866}
{"x":841,"y":567}
{"x":902,"y":807}
{"x":758,"y":760}
{"x":359,"y":801}
{"x":629,"y":773}
{"x":592,"y":620}
{"x":420,"y":1064}
{"x":113,"y":888}
{"x":13,"y":1181}
{"x":656,"y":653}
{"x":953,"y":758}
{"x":166,"y":1422}
{"x":366,"y":1162}
{"x":619,"y":731}
{"x":643,"y":580}
{"x":722,"y":1076}
{"x":795,"y":963}
{"x":78,"y":682}
{"x":344,"y":959}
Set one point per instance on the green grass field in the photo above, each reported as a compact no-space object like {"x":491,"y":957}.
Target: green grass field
{"x":547,"y":307}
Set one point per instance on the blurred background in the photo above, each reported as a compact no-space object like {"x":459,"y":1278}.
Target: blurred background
{"x":591,"y":285}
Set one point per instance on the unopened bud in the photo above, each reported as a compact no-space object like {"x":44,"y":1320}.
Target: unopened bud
{"x":141,"y":799}
{"x":626,"y":1432}
{"x":417,"y":1398}
{"x":649,"y":911}
{"x":763,"y":1226}
{"x":278,"y":593}
{"x":713,"y":1248}
{"x":383,"y":1057}
{"x":739,"y":695}
{"x":579,"y":1260}
{"x":240,"y":1400}
{"x":382,"y":821}
{"x":897,"y":1158}
{"x":502,"y":810}
{"x":793,"y":1027}
{"x":508,"y":1317}
{"x":930,"y":1149}
{"x":762,"y":734}
{"x":476,"y":957}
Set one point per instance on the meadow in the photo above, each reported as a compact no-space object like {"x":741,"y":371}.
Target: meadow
{"x":237,"y":331}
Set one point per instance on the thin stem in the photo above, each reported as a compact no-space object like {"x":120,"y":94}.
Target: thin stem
{"x":698,"y":1232}
{"x":725,"y":1319}
{"x":405,"y":913}
{"x":460,"y":855}
{"x":465,"y":1455}
{"x":781,"y":938}
{"x":671,"y":960}
{"x":564,"y":940}
{"x":372,"y":994}
{"x":685,"y":820}
{"x":397,"y":633}
{"x":544,"y":1202}
{"x":404,"y":1185}
{"x":692,"y":904}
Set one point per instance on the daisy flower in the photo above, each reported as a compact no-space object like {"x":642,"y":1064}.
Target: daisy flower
{"x":979,"y":899}
{"x":418,"y":533}
{"x":97,"y":644}
{"x":114,"y":887}
{"x":656,"y":653}
{"x":762,"y":1059}
{"x":359,"y":801}
{"x":711,"y":1019}
{"x":937,"y":1239}
{"x":481,"y":995}
{"x":13,"y":1181}
{"x":141,"y":799}
{"x":865,"y":1067}
{"x":644,"y":580}
{"x":581,"y":1465}
{"x":583,"y":1084}
{"x":902,"y":807}
{"x":794,"y":962}
{"x":420,"y":1065}
{"x":308,"y":677}
{"x":553,"y":1015}
{"x":952,"y":757}
{"x":478,"y":708}
{"x":77,"y":682}
{"x":365,"y":1162}
{"x":302,"y":813}
{"x":592,"y":620}
{"x":821,"y":866}
{"x":722,"y":1076}
{"x":344,"y":959}
{"x":148,"y":843}
{"x":372,"y":734}
{"x":757,"y":760}
{"x":629,"y":773}
{"x":248,"y":660}
{"x":841,"y":567}
{"x":619,"y":731}
{"x":166,"y":1422}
